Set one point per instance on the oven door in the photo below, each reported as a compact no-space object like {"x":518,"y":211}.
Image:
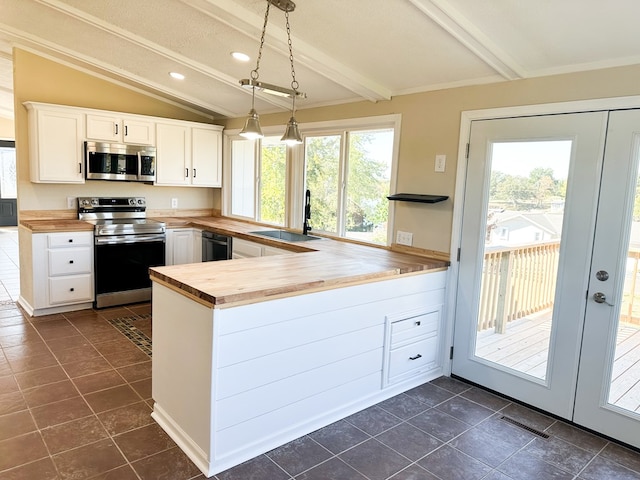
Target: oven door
{"x":122,"y":267}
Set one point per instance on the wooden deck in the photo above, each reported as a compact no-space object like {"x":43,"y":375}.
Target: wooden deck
{"x":525,"y":344}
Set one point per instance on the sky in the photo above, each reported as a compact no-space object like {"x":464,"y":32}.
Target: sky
{"x":519,"y":158}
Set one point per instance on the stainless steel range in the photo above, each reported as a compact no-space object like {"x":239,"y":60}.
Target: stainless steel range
{"x":126,"y":245}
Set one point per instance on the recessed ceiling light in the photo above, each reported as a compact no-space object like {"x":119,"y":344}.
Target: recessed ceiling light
{"x":176,"y":75}
{"x":243,"y":57}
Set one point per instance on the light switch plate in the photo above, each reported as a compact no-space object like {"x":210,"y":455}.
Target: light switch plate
{"x":441,"y":161}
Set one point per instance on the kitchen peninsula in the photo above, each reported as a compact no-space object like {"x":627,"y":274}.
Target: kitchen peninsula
{"x":252,"y":353}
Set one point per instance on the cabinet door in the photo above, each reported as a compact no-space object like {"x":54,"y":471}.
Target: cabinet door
{"x":55,"y":146}
{"x":138,"y":131}
{"x":245,"y":249}
{"x":173,"y":150}
{"x":206,"y":157}
{"x":104,"y":127}
{"x":182,"y":246}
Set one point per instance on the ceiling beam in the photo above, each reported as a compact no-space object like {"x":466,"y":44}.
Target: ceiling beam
{"x":458,"y":26}
{"x":250,"y":24}
{"x":164,"y":52}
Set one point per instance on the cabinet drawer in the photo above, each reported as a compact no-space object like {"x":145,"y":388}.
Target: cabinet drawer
{"x":70,"y":239}
{"x":71,"y":289}
{"x":69,"y":261}
{"x":412,"y":357}
{"x":414,"y":327}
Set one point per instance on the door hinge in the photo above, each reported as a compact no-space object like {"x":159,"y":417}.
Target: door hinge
{"x":458,"y":254}
{"x":451,"y":353}
{"x":467,"y":152}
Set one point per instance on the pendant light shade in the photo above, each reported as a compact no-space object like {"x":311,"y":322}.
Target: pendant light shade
{"x":292,"y":133}
{"x":252,"y":129}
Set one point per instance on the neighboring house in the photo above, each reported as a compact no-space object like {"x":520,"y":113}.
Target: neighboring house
{"x":508,"y":228}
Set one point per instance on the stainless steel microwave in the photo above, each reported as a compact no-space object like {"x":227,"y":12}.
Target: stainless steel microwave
{"x":114,"y":161}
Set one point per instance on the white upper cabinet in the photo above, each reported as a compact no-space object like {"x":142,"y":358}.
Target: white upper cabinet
{"x":56,"y":138}
{"x":173,"y":154}
{"x":188,"y":154}
{"x":120,"y":129}
{"x":206,"y":156}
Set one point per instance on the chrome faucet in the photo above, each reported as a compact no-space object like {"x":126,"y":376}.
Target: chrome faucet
{"x":307,"y":213}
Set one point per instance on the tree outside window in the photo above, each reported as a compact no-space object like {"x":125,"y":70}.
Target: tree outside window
{"x":360,"y":210}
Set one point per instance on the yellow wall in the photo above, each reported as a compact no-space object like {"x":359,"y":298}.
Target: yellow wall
{"x":40,"y":80}
{"x":7,"y":129}
{"x":431,"y":125}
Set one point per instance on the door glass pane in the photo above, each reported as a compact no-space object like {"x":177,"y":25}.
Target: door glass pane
{"x":322,"y":162}
{"x":273,"y":175}
{"x":523,"y":233}
{"x":624,"y":390}
{"x":368,"y":180}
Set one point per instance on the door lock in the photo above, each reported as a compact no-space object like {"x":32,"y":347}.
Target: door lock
{"x":602,"y":275}
{"x":600,"y":297}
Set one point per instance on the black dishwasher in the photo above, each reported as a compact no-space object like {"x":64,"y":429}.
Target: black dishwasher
{"x":215,"y":247}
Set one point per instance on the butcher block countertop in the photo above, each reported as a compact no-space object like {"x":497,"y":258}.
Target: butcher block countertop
{"x":313,"y":265}
{"x":57,"y":225}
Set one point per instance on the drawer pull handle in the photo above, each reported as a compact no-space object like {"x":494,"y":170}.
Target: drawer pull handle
{"x":72,"y":289}
{"x":71,"y":240}
{"x":418,"y":323}
{"x":416,"y":357}
{"x":70,"y":261}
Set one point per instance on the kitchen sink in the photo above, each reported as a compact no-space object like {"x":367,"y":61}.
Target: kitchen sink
{"x":286,"y":236}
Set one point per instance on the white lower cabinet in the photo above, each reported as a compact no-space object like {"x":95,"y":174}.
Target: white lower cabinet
{"x":411,"y":345}
{"x":246,"y":249}
{"x":236,"y":381}
{"x":184,"y":245}
{"x":61,"y":277}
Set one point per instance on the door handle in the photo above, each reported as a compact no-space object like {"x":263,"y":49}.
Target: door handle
{"x":600,"y":297}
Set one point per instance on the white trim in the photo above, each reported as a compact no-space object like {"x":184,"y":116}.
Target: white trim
{"x":466,"y":117}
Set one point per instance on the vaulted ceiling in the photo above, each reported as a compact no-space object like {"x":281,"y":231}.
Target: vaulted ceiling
{"x":344,"y":50}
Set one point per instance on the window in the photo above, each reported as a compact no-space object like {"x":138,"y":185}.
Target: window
{"x":347,"y":165}
{"x":258,"y":197}
{"x":349,"y":186}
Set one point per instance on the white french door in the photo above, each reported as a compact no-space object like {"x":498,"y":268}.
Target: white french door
{"x":547,"y":219}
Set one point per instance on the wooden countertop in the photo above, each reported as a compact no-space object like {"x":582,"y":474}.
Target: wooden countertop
{"x":57,"y":225}
{"x":312,"y":265}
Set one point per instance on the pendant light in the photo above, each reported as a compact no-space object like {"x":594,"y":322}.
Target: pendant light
{"x":252,"y":129}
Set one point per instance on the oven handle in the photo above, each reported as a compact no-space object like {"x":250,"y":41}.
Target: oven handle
{"x":117,"y":239}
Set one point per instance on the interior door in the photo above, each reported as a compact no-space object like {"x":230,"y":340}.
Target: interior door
{"x":528,"y":224}
{"x":608,"y":390}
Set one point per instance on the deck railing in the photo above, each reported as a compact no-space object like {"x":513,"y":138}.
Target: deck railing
{"x":521,"y":281}
{"x":516,"y":282}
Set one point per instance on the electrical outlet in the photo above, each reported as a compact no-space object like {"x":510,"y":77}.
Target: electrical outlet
{"x":174,"y":203}
{"x":440,"y":163}
{"x":71,"y":202}
{"x":404,"y":238}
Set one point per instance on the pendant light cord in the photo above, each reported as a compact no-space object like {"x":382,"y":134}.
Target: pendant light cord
{"x":294,"y":82}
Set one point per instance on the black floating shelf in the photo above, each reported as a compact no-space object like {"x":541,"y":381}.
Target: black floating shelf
{"x":415,"y":197}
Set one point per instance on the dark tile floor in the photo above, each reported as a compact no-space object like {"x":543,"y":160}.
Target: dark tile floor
{"x":75,"y":403}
